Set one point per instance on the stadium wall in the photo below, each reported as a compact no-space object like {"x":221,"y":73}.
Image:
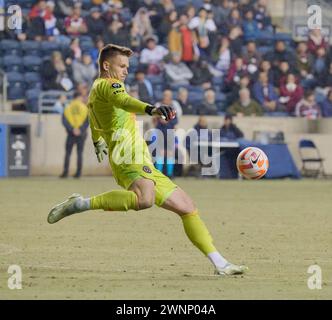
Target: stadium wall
{"x":48,"y":139}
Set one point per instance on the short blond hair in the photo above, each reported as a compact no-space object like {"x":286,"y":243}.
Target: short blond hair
{"x":110,"y":51}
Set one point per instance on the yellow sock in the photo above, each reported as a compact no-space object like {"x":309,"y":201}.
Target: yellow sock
{"x":198,"y":233}
{"x":117,"y":200}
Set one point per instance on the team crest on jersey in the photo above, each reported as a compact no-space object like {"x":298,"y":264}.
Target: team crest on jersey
{"x":116,"y":85}
{"x":147,"y":169}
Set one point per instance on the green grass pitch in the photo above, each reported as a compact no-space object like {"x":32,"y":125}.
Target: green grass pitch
{"x":277,"y":228}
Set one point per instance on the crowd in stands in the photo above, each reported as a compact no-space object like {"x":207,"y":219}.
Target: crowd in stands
{"x":206,"y":57}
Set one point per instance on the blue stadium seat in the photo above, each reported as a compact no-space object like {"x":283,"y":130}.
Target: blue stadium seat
{"x":180,"y":3}
{"x":48,"y":47}
{"x":264,"y":49}
{"x":30,"y":47}
{"x":195,"y":97}
{"x":14,"y":77}
{"x":197,"y":3}
{"x":220,"y":97}
{"x":16,"y":86}
{"x":86,"y":46}
{"x":25,"y":4}
{"x":32,"y":63}
{"x":32,"y":96}
{"x":12,"y":47}
{"x":283,"y":36}
{"x":32,"y":80}
{"x":217,"y":81}
{"x":158,"y":95}
{"x":155,"y":79}
{"x":12,"y":63}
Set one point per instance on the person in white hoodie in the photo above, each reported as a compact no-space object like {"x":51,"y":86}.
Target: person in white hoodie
{"x":177,"y":71}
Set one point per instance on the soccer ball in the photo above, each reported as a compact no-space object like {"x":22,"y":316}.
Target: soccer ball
{"x":252,"y":163}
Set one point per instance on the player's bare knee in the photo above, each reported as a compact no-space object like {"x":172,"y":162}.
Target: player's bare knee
{"x":145,"y":202}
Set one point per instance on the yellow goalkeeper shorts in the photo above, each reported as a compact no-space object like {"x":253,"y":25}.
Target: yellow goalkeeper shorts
{"x":126,"y":174}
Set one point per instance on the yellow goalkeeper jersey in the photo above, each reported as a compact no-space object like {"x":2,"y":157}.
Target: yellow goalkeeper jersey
{"x":112,"y":116}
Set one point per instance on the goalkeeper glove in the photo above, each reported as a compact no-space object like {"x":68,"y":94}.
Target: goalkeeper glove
{"x":165,"y":112}
{"x":101,"y":148}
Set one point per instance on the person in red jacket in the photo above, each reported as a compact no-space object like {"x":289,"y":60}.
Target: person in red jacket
{"x":290,"y":93}
{"x":316,"y":41}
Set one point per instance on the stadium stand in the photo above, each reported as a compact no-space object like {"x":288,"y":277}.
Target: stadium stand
{"x":174,"y":24}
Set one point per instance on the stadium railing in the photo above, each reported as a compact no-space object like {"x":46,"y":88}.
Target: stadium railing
{"x":4,"y":84}
{"x":46,"y":101}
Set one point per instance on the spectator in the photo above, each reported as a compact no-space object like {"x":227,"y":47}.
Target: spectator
{"x":169,"y":20}
{"x":290,"y":93}
{"x":116,"y":33}
{"x":281,"y":73}
{"x":236,"y":42}
{"x":250,"y":26}
{"x":280,"y":53}
{"x":201,"y":73}
{"x":142,"y":22}
{"x":84,"y":71}
{"x":245,"y":106}
{"x":153,"y":56}
{"x":326,"y":105}
{"x":190,"y":11}
{"x":168,"y":101}
{"x":237,"y":70}
{"x":304,"y":61}
{"x":320,"y":62}
{"x":233,"y":95}
{"x":221,"y":11}
{"x":144,"y":87}
{"x":209,"y":106}
{"x":36,"y":27}
{"x":113,"y":12}
{"x":75,"y":51}
{"x":186,"y":106}
{"x":135,"y":38}
{"x":266,"y":67}
{"x":203,"y":26}
{"x":325,"y":79}
{"x":264,"y":93}
{"x":83,"y":90}
{"x":165,"y":153}
{"x":177,"y":72}
{"x":75,"y":24}
{"x":167,"y":6}
{"x":262,"y":16}
{"x":155,"y":12}
{"x":252,"y":57}
{"x":229,"y":130}
{"x":60,"y":104}
{"x":199,"y":133}
{"x":50,"y":21}
{"x":75,"y":120}
{"x":56,"y":75}
{"x":234,"y":19}
{"x":224,"y":56}
{"x":182,"y":40}
{"x":316,"y":41}
{"x":307,"y":107}
{"x":95,"y":23}
{"x":94,"y":52}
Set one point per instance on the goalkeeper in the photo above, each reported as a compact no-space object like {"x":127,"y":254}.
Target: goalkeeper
{"x":114,"y":132}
